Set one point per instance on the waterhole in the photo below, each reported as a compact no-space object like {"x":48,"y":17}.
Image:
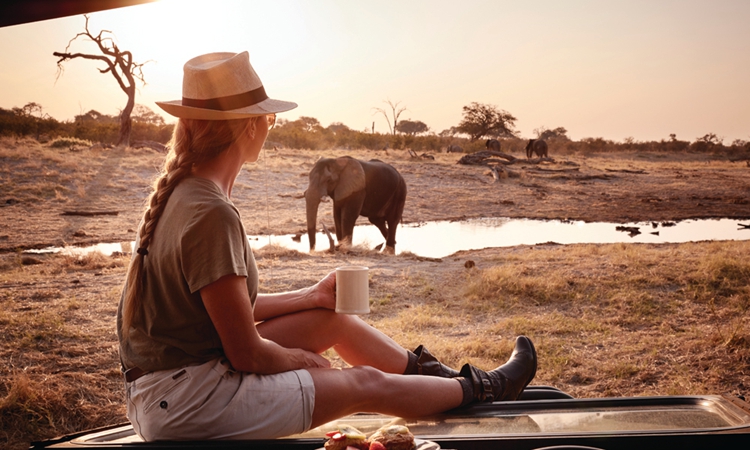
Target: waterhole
{"x":443,"y":238}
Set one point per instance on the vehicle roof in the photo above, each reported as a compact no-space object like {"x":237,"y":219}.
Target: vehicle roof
{"x":16,"y":12}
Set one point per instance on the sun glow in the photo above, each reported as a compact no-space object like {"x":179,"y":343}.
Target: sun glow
{"x":169,"y":32}
{"x":611,"y":70}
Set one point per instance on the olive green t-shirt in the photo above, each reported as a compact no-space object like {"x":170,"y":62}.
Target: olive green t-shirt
{"x":199,"y":239}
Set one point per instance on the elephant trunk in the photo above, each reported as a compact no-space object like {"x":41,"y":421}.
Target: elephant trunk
{"x":312,"y":201}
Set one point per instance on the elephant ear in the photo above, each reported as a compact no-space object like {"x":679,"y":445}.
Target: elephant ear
{"x":351,"y":178}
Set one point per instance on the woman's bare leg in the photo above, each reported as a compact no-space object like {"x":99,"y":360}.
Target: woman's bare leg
{"x":353,"y":339}
{"x":347,"y":391}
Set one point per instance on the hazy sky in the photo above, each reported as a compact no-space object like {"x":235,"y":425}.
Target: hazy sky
{"x":611,"y":69}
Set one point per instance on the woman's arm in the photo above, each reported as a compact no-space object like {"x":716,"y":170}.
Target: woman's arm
{"x":228,"y":304}
{"x":320,"y":295}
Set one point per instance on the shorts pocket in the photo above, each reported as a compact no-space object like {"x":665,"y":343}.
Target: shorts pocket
{"x":165,"y":391}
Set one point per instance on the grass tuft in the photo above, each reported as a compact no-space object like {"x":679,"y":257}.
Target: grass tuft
{"x":68,"y":142}
{"x":59,"y":404}
{"x":94,"y":260}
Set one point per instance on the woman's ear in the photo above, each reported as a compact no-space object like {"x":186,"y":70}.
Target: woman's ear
{"x":252,"y":126}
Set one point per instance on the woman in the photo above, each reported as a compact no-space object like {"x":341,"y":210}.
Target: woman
{"x":207,"y":357}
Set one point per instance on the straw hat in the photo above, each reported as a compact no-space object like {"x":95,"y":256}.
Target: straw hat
{"x":222,"y":86}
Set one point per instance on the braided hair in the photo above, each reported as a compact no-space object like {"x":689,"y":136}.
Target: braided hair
{"x":193,"y":142}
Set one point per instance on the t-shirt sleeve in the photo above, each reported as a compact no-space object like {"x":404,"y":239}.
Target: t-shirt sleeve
{"x":213,"y":246}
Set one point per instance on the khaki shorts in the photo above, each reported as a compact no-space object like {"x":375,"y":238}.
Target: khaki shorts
{"x":212,"y":401}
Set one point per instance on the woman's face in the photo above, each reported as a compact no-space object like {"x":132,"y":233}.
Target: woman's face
{"x":257,"y":134}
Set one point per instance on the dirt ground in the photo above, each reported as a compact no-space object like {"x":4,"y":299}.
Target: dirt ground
{"x":592,"y":188}
{"x":58,"y":316}
{"x":40,"y":187}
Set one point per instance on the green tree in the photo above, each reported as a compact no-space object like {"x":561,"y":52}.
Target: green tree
{"x":309,"y":124}
{"x":94,"y":116}
{"x":482,"y":120}
{"x":449,"y":132}
{"x":338,"y":128}
{"x":340,"y":135}
{"x":305,"y":132}
{"x":412,"y":127}
{"x":710,"y":139}
{"x":117,"y":62}
{"x":144,"y":114}
{"x":31,"y":109}
{"x":32,"y":113}
{"x":559,"y":133}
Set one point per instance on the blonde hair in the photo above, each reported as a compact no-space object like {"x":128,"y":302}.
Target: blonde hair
{"x":193,"y":142}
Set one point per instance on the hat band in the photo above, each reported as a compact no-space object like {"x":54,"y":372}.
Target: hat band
{"x":230,"y":102}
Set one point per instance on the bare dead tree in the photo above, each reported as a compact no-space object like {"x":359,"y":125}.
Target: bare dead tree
{"x":395,"y":114}
{"x":119,"y":63}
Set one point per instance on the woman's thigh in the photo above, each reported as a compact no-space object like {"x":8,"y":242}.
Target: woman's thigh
{"x":211,"y":401}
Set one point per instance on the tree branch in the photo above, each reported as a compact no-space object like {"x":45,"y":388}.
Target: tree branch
{"x":118,"y":62}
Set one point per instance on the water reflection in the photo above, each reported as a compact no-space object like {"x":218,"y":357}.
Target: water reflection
{"x":443,"y":238}
{"x":440,"y":239}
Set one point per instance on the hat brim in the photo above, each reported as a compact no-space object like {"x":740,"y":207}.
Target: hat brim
{"x":267,"y":106}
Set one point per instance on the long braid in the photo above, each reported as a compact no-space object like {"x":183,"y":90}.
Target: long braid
{"x":193,"y":142}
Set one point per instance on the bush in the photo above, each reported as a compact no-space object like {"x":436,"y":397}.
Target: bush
{"x":307,"y":133}
{"x":68,"y":142}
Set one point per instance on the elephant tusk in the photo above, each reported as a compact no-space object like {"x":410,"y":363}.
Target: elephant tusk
{"x":331,"y":245}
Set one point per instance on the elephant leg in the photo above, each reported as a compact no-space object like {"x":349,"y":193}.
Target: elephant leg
{"x":390,"y":240}
{"x":394,"y":219}
{"x":348,"y":219}
{"x":380,"y":223}
{"x":339,"y":229}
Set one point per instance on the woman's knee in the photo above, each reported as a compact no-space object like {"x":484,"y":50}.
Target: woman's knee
{"x":368,"y":375}
{"x":343,"y":322}
{"x":361,"y":380}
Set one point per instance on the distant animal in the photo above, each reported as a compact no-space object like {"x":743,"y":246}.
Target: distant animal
{"x":493,"y":144}
{"x":537,"y":146}
{"x":455,"y":149}
{"x":372,"y":189}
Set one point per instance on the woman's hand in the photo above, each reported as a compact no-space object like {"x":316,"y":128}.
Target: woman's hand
{"x":309,"y":360}
{"x":324,"y":292}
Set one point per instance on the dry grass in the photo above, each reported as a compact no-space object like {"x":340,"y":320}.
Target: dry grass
{"x":608,"y":320}
{"x":60,"y":371}
{"x":61,"y":170}
{"x":628,"y":319}
{"x":621,"y":319}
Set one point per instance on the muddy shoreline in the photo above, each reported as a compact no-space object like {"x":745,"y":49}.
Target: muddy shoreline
{"x":596,"y":312}
{"x":269,"y":194}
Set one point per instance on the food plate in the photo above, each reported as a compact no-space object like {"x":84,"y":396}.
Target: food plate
{"x":426,"y":445}
{"x":420,"y":443}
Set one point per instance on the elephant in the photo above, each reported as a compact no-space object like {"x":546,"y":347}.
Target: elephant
{"x":372,"y":189}
{"x":537,"y":146}
{"x":454,"y":149}
{"x":493,"y":144}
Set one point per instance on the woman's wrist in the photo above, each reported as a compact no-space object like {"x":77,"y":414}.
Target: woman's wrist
{"x":314,"y":297}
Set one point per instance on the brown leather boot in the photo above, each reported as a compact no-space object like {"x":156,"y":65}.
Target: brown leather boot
{"x":421,"y":362}
{"x":429,"y":365}
{"x":505,"y":382}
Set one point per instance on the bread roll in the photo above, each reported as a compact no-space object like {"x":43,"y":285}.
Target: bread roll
{"x":394,"y":437}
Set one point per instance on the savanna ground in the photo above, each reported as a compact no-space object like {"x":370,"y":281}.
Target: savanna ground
{"x":608,"y":320}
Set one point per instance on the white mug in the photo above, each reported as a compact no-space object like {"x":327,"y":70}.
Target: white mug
{"x":352,"y":290}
